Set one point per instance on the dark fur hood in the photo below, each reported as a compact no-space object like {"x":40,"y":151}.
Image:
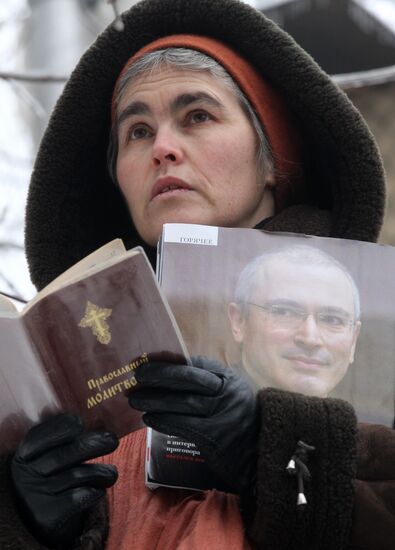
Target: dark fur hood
{"x":72,"y":205}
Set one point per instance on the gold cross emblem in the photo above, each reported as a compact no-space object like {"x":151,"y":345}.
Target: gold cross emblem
{"x":95,"y":318}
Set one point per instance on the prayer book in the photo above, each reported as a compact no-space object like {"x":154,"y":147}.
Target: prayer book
{"x":74,"y":348}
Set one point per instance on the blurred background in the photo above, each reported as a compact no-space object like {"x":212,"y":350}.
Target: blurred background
{"x":42,"y":40}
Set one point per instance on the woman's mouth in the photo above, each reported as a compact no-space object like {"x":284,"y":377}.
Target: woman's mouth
{"x":169,"y":185}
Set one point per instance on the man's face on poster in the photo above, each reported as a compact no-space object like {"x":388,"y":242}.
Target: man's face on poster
{"x":298,"y":330}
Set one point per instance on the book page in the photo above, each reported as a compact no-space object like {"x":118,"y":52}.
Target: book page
{"x":26,"y":394}
{"x":318,"y":318}
{"x":96,"y":260}
{"x":6,"y":306}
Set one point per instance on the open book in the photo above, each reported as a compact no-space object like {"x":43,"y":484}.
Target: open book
{"x":75,"y":346}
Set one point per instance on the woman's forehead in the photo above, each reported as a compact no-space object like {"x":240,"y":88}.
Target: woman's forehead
{"x":171,"y":81}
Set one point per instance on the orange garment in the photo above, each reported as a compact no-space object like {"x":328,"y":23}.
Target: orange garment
{"x":166,"y":519}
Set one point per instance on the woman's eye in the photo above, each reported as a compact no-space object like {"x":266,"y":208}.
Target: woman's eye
{"x":139,"y":132}
{"x":198,"y":117}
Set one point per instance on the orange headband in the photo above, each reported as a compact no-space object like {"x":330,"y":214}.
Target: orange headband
{"x":273,"y":113}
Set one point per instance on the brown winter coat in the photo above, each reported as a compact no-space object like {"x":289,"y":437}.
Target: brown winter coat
{"x":73,"y":208}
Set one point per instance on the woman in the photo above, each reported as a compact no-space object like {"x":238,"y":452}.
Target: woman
{"x":275,"y":146}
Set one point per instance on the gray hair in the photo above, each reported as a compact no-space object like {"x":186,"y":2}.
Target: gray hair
{"x":188,"y":60}
{"x":299,"y":255}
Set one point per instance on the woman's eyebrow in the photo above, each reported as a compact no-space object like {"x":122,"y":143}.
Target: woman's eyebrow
{"x":187,"y":99}
{"x":134,"y":108}
{"x":178,"y":103}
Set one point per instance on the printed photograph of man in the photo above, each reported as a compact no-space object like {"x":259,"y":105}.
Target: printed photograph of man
{"x":296,"y":318}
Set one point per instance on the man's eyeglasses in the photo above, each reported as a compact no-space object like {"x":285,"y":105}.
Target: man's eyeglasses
{"x":289,"y":315}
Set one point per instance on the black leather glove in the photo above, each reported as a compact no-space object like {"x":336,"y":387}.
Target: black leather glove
{"x":207,"y":404}
{"x":54,"y":489}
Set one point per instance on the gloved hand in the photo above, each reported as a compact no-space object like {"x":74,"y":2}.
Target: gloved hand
{"x":207,"y":404}
{"x":54,"y":489}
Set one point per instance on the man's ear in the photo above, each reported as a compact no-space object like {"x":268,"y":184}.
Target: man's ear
{"x":237,"y":321}
{"x":357,"y":330}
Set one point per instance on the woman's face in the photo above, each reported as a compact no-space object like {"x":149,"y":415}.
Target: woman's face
{"x":187,"y":154}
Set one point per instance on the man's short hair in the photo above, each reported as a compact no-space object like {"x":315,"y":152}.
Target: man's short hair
{"x":298,"y":255}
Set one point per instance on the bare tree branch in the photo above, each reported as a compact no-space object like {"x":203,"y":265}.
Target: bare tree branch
{"x":118,"y":23}
{"x":17,"y":298}
{"x":33,"y":77}
{"x":29,"y":99}
{"x":14,"y":290}
{"x":9,"y":244}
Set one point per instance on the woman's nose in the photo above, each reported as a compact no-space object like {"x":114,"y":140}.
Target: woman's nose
{"x":167,"y":148}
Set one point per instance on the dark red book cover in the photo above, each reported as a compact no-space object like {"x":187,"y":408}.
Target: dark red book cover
{"x":86,"y":340}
